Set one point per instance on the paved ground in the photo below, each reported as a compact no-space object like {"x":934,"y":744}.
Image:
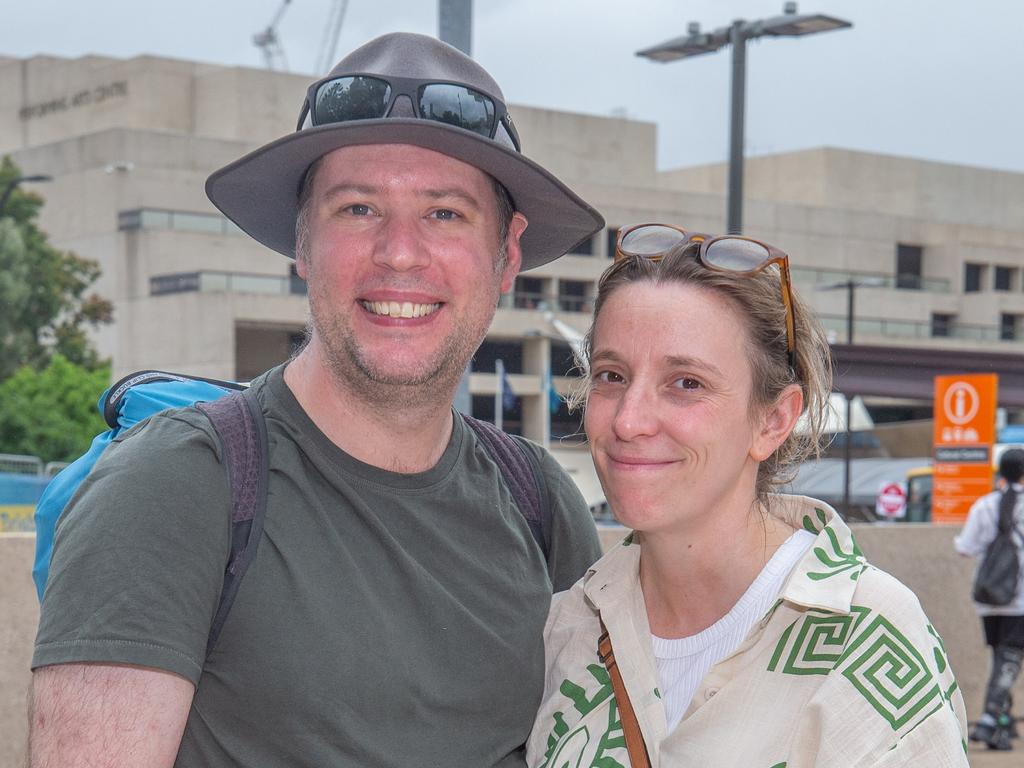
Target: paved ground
{"x":980,"y":756}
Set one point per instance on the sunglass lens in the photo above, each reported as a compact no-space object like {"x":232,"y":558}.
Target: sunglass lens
{"x":459,"y":106}
{"x":650,"y":241}
{"x":351,"y":98}
{"x":735,"y":254}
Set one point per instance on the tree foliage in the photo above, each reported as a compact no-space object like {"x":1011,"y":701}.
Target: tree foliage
{"x":44,"y":305}
{"x":51,"y":413}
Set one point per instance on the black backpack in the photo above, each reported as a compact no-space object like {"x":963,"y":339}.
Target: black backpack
{"x":999,"y":573}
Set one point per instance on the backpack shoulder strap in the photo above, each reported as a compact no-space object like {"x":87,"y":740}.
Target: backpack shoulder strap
{"x":522,"y":474}
{"x":239,"y":423}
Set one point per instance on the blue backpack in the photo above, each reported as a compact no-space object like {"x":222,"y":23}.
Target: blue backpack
{"x":238,"y":421}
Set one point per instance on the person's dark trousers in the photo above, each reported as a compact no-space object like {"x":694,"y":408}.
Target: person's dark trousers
{"x":1005,"y":636}
{"x":1006,"y":663}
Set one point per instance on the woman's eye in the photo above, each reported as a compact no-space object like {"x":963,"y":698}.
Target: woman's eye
{"x":685,"y":382}
{"x":607,"y":377}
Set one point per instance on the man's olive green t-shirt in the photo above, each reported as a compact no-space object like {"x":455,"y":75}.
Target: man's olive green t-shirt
{"x":387,"y":620}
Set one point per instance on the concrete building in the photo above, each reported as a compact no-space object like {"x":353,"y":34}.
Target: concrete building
{"x":130,"y":142}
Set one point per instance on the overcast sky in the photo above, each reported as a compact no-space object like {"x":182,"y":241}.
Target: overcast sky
{"x":932,"y":79}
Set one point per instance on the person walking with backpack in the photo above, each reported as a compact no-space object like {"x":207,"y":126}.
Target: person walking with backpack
{"x":994,"y":533}
{"x":394,"y":609}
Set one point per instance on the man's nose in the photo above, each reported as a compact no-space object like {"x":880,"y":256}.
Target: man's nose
{"x":400,"y":246}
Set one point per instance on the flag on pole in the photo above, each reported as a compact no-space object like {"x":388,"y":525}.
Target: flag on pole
{"x":508,"y":396}
{"x":554,"y":399}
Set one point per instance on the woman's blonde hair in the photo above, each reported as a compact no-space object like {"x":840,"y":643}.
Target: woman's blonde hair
{"x":758,"y":300}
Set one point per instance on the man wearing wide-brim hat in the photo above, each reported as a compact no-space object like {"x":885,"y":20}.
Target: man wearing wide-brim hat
{"x":393,"y":613}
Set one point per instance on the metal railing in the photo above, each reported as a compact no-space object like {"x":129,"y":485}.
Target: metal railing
{"x":21,"y":465}
{"x":226,"y":282}
{"x":910,"y":329}
{"x":181,"y":221}
{"x":808,"y":275}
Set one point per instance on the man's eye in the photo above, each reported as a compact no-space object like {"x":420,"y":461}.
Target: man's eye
{"x":444,"y":214}
{"x":358,"y":209}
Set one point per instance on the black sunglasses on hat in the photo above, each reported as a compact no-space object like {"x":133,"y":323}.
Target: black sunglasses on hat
{"x":368,"y":97}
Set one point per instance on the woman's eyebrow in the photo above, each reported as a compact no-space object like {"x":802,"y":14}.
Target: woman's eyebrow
{"x":683,"y":361}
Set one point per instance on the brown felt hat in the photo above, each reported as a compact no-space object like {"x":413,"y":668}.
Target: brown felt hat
{"x":259,"y":192}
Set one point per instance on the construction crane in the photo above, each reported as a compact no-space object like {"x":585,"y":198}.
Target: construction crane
{"x":268,"y":42}
{"x":332,"y":31}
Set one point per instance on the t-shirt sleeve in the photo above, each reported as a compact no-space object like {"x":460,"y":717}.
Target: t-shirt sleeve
{"x":140,"y":551}
{"x":575,"y":545}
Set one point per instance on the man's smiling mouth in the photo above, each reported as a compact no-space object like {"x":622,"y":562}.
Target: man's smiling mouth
{"x":400,"y":309}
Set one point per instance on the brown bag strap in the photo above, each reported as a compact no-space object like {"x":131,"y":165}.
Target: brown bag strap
{"x":635,"y":746}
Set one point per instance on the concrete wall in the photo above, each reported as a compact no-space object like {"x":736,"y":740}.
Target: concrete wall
{"x":919,"y":555}
{"x":19,"y":614}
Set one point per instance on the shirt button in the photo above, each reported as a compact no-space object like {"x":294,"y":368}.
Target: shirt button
{"x":709,"y":693}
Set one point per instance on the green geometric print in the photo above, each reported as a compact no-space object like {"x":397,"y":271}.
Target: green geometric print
{"x":890,"y":673}
{"x":814,"y":644}
{"x":575,"y":742}
{"x":877,"y":659}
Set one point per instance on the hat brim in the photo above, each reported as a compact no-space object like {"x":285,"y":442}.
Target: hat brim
{"x":259,"y":192}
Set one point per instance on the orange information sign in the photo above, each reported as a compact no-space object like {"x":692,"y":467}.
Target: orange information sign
{"x":965,"y":428}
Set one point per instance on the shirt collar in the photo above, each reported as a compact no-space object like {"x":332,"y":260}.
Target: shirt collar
{"x":824,"y":578}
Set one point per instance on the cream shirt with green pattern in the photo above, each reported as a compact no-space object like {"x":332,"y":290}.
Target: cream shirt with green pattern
{"x":844,"y":670}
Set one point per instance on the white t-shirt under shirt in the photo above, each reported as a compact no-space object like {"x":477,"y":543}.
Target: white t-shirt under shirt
{"x":682,"y":663}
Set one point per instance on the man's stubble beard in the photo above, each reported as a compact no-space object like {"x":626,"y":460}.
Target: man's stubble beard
{"x":356,"y":372}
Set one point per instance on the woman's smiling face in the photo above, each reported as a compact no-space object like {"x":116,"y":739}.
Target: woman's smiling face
{"x":669,"y":419}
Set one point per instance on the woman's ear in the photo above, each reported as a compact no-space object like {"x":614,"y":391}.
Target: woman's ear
{"x":776,"y":422}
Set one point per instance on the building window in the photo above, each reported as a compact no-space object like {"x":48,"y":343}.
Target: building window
{"x":566,"y":425}
{"x":942,"y":324}
{"x":509,"y":352}
{"x":562,"y":361}
{"x":908,"y":266}
{"x":572,"y":296}
{"x":296,"y":285}
{"x":974,"y":274}
{"x":586,"y":248}
{"x":1008,"y":327}
{"x":512,"y":418}
{"x":1003,"y":278}
{"x":529,"y":293}
{"x":612,"y":236}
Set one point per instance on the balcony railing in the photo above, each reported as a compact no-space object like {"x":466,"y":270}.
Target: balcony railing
{"x":805,"y":275}
{"x":909,"y":329}
{"x":226,"y":282}
{"x":528,"y":300}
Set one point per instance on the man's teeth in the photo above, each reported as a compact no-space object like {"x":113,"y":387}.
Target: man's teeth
{"x":405,"y":309}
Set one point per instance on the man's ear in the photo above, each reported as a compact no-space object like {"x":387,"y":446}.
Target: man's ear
{"x":776,"y":422}
{"x":513,"y":251}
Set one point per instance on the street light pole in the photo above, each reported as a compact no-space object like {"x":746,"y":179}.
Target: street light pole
{"x":13,"y":183}
{"x":695,"y":43}
{"x":734,"y":219}
{"x":850,"y":287}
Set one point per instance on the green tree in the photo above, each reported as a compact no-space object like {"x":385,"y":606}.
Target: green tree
{"x":44,"y":305}
{"x":51,"y":413}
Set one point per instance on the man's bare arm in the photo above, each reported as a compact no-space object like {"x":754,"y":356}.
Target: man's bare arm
{"x":104,"y":715}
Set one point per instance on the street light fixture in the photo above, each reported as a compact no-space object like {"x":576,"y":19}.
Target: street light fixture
{"x":695,"y":43}
{"x":850,"y":286}
{"x":13,"y":183}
